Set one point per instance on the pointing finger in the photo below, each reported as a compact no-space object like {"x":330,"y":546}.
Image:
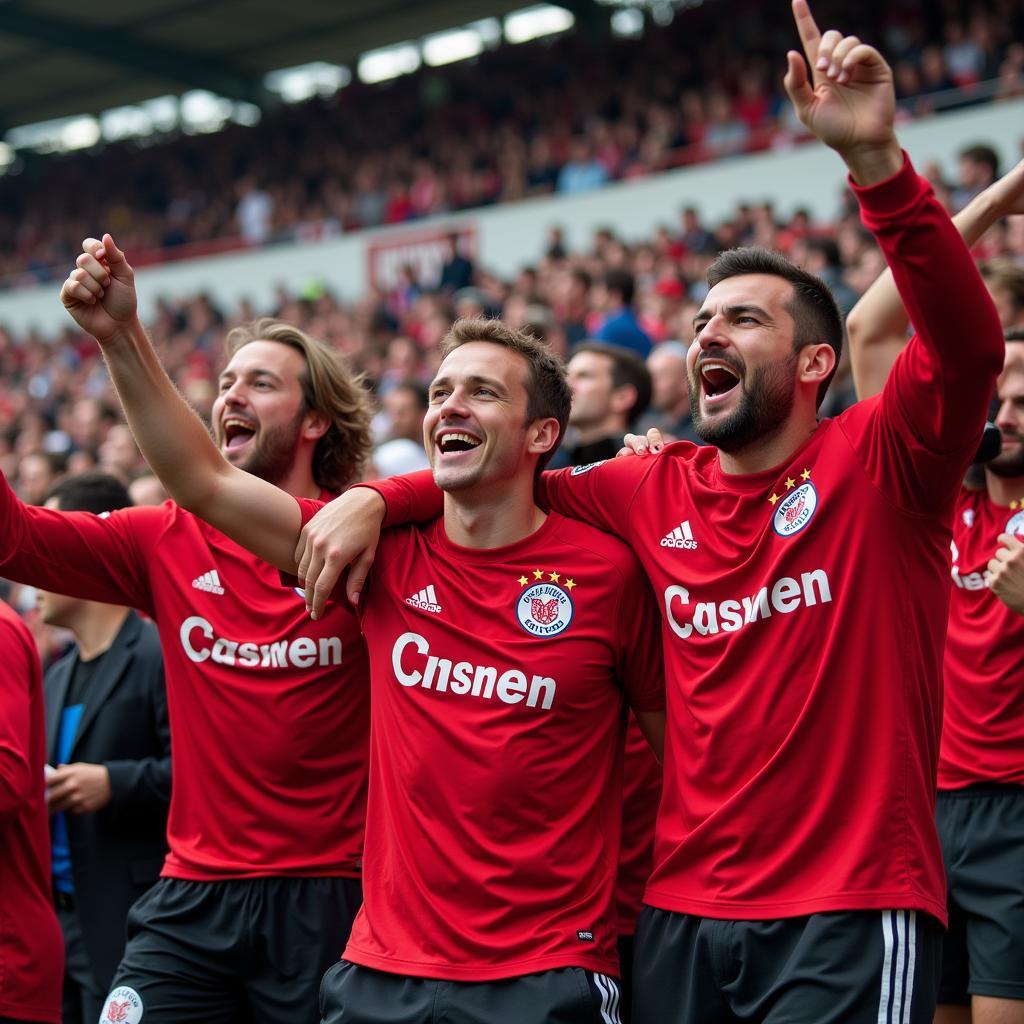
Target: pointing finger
{"x":810,"y":35}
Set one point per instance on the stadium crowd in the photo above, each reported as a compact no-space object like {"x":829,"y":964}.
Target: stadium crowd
{"x":598,"y":109}
{"x":58,"y":411}
{"x":785,"y":718}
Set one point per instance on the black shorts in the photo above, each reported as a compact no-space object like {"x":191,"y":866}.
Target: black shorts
{"x":352,"y":994}
{"x":247,"y":950}
{"x":982,"y":833}
{"x":853,"y":967}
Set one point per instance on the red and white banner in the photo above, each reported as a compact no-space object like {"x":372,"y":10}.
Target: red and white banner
{"x":426,"y":251}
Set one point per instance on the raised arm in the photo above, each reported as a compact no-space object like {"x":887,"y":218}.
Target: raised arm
{"x":100,"y":295}
{"x":934,"y":404}
{"x":877,"y":325}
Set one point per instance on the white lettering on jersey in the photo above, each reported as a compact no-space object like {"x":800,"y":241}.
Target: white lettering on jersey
{"x":973,"y":580}
{"x":200,"y":644}
{"x":464,"y":678}
{"x":784,"y":596}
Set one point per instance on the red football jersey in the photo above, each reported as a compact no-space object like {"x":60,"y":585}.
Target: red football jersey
{"x":497,"y":724}
{"x":983,"y":717}
{"x":806,"y":612}
{"x":269,"y":710}
{"x":31,"y":946}
{"x":641,"y":793}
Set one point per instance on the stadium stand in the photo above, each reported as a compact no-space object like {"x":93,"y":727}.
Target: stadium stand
{"x":598,"y":109}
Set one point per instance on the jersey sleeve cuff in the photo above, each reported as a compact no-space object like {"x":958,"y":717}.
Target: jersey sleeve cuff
{"x":889,"y":199}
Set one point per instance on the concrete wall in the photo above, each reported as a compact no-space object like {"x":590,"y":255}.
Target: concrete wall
{"x":511,"y":235}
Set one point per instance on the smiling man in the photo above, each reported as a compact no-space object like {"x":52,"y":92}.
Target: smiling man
{"x":268,"y":711}
{"x":803,"y":575}
{"x":502,"y":641}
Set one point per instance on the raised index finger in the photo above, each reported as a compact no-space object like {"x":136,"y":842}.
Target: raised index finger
{"x":810,"y":34}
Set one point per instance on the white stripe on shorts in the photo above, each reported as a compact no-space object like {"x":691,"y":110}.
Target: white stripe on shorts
{"x":899,"y":941}
{"x":609,"y":989}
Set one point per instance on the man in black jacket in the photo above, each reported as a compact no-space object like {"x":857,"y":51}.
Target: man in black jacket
{"x":108,"y":735}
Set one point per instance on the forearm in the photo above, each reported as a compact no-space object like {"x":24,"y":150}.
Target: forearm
{"x":171,"y":436}
{"x":959,"y":347}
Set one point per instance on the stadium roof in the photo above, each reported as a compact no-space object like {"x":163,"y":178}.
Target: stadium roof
{"x":60,"y":58}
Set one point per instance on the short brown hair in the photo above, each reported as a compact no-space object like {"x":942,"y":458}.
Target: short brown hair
{"x":1005,"y":274}
{"x":547,"y":390}
{"x":816,"y":316}
{"x":329,"y":388}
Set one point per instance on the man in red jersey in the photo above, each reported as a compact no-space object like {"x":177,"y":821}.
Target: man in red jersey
{"x":501,"y":640}
{"x":31,"y":946}
{"x":980,"y":804}
{"x":269,"y":712}
{"x":804,"y":584}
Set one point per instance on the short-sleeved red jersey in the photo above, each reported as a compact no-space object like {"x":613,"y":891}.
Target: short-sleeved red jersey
{"x":983,"y":716}
{"x":497,"y":724}
{"x":805,"y":610}
{"x":31,"y":946}
{"x":269,"y":710}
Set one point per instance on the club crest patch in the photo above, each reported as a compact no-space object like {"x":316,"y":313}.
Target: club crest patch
{"x":544,"y":610}
{"x":123,"y":1006}
{"x":1015,"y":527}
{"x":795,"y":510}
{"x":586,"y":468}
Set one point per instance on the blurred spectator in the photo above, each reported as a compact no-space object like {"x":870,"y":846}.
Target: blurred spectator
{"x":404,"y":407}
{"x":979,"y":168}
{"x":619,"y":325}
{"x":1005,"y":282}
{"x":457,"y":271}
{"x":119,"y":455}
{"x":583,"y":172}
{"x":611,"y":388}
{"x":37,"y":473}
{"x":695,"y":237}
{"x":147,"y":490}
{"x":254,"y":212}
{"x":670,"y":394}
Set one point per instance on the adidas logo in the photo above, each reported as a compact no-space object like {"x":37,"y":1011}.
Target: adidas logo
{"x":680,"y":537}
{"x":425,"y":599}
{"x":209,"y":581}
